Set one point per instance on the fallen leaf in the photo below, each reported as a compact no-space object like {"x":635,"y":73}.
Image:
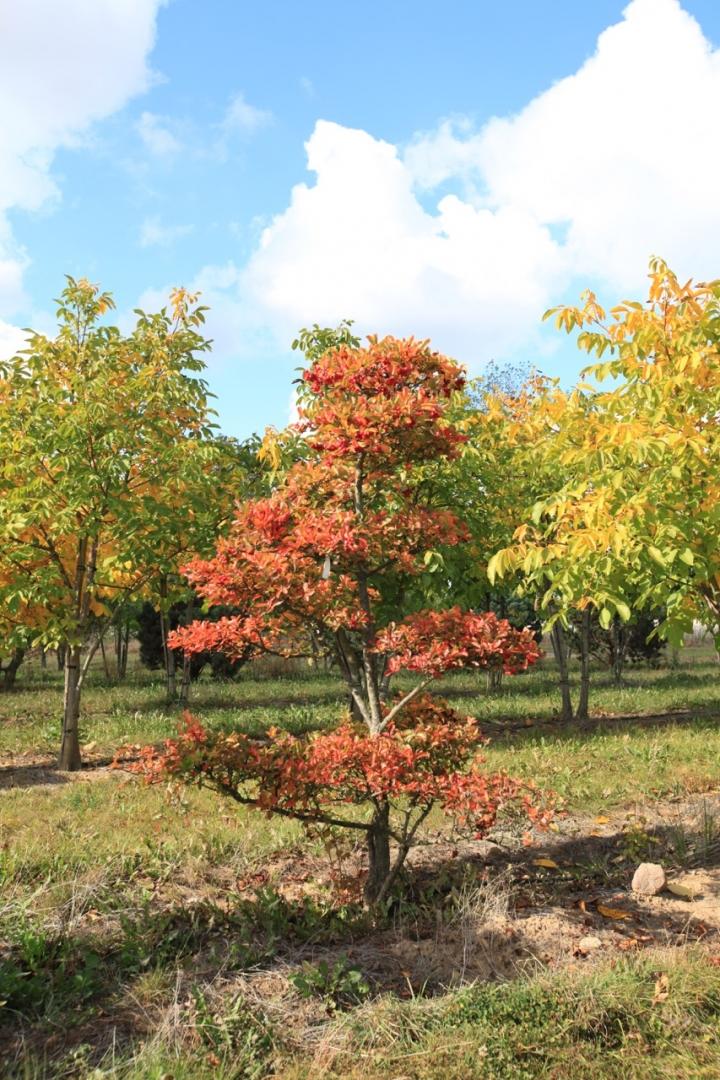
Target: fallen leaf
{"x":601,"y":820}
{"x":685,"y":892}
{"x":662,"y":990}
{"x":548,"y":864}
{"x":612,"y":912}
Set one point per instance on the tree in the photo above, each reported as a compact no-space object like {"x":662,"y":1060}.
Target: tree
{"x":622,"y":643}
{"x":328,"y":564}
{"x":635,"y":521}
{"x":107,"y":446}
{"x":152,"y":645}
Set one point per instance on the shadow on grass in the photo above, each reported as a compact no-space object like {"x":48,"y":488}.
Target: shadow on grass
{"x":82,"y":988}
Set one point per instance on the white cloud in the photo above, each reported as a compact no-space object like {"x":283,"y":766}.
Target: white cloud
{"x":608,"y":166}
{"x":621,"y":155}
{"x":63,"y":66}
{"x":157,"y":136}
{"x":12,"y":339}
{"x":242,"y":118}
{"x":154,"y":233}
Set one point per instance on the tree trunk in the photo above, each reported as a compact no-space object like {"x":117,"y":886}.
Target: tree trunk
{"x":108,"y":673}
{"x":558,"y":637}
{"x":185,"y":683}
{"x":10,"y":672}
{"x":618,"y":639}
{"x":169,"y":656}
{"x":378,"y":847}
{"x":43,"y":659}
{"x":493,"y":680}
{"x":122,"y":642}
{"x":584,"y":699}
{"x":61,"y":651}
{"x":70,"y":744}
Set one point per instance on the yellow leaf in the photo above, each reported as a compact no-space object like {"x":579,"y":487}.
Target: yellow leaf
{"x":601,"y":820}
{"x":612,"y":912}
{"x":685,"y":892}
{"x":549,"y":864}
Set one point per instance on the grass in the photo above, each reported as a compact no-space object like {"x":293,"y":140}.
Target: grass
{"x":618,"y":1022}
{"x":135,"y":931}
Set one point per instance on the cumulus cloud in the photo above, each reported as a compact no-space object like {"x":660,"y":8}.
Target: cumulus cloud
{"x":57,"y":77}
{"x":12,"y":340}
{"x":603,"y":169}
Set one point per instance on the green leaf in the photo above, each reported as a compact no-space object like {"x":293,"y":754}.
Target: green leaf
{"x":656,"y":555}
{"x":623,"y":610}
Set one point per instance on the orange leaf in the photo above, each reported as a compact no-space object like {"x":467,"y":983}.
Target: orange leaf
{"x":612,"y":912}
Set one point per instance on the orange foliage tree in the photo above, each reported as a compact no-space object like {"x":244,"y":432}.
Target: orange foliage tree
{"x":329,"y":564}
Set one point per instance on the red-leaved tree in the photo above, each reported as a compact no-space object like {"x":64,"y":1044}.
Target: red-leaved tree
{"x":329,"y":564}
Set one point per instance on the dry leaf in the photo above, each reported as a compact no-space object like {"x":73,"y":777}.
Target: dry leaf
{"x":601,"y":820}
{"x":612,"y":912}
{"x":549,"y":864}
{"x":662,"y":989}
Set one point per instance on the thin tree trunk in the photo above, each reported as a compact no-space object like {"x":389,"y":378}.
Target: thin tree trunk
{"x":9,"y":673}
{"x":584,"y":699}
{"x":60,"y":652}
{"x":43,"y":659}
{"x":185,"y":682}
{"x":168,"y":654}
{"x":106,"y":665}
{"x":558,"y":638}
{"x":70,"y":745}
{"x":618,"y":639}
{"x":493,"y":680}
{"x":378,"y":847}
{"x":124,"y":644}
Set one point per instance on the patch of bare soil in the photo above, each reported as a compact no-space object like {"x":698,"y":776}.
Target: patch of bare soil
{"x":37,"y":770}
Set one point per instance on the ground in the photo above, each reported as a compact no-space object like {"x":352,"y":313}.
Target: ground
{"x":142,"y":936}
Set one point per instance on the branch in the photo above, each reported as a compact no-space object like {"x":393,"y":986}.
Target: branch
{"x":298,"y":815}
{"x":404,"y":701}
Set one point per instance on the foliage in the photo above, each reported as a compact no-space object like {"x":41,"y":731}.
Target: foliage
{"x":427,"y":757}
{"x":636,"y":517}
{"x":329,"y":563}
{"x":109,"y":467}
{"x":150,"y":638}
{"x":339,"y":985}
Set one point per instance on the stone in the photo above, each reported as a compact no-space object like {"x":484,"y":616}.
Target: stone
{"x":588,"y":943}
{"x":648,"y":879}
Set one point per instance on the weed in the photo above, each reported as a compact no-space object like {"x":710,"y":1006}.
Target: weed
{"x":339,"y":985}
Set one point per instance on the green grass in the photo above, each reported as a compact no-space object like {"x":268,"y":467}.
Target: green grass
{"x":607,"y":1026}
{"x":112,"y":896}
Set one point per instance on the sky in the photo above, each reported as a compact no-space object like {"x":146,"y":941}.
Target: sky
{"x":443,"y":170}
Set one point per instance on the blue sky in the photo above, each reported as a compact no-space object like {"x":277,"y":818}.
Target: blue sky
{"x":470,"y":163}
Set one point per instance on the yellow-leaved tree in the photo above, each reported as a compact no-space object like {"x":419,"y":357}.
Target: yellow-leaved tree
{"x":635,"y":520}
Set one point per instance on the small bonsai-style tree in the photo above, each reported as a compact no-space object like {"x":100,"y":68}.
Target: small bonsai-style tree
{"x":329,"y":564}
